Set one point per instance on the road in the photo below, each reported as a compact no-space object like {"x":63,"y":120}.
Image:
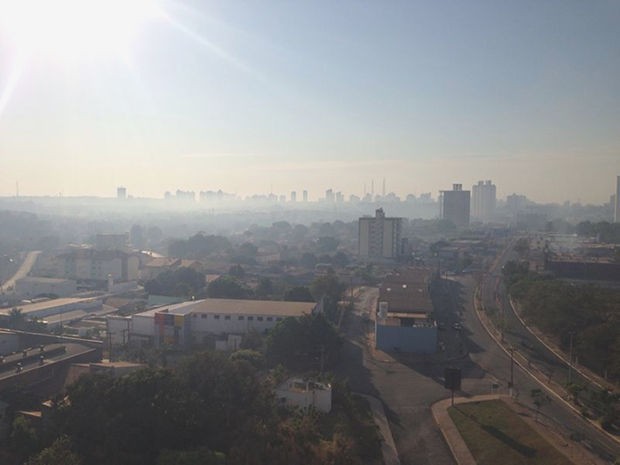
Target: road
{"x":8,"y":286}
{"x":408,"y":384}
{"x":534,"y":355}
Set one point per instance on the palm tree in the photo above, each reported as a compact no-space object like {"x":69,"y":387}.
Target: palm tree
{"x":16,"y":318}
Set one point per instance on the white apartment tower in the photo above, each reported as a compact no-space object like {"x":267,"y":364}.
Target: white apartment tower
{"x":379,"y":237}
{"x":483,"y":200}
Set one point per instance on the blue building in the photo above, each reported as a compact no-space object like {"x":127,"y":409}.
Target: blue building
{"x":403,"y":322}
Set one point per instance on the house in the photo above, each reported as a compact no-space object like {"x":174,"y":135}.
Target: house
{"x":305,"y":394}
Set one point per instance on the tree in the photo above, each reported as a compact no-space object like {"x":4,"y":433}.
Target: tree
{"x":327,"y":244}
{"x":59,"y":453}
{"x":17,"y":319}
{"x":298,"y":294}
{"x":236,"y":271}
{"x":200,"y":456}
{"x":310,"y":342}
{"x":264,"y":288}
{"x":183,"y":282}
{"x":23,"y":438}
{"x":227,"y":287}
{"x":328,"y":289}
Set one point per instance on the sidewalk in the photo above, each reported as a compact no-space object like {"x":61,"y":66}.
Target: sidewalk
{"x":451,"y":434}
{"x":388,"y":448}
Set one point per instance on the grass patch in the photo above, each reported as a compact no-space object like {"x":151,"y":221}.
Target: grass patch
{"x":495,"y":434}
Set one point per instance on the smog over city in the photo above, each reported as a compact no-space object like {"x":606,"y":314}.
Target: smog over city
{"x":309,"y":232}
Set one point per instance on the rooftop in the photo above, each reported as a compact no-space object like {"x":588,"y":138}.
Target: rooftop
{"x":48,"y":304}
{"x":236,"y":306}
{"x":33,"y":279}
{"x":406,"y":290}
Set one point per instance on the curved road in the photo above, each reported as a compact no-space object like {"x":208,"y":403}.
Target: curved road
{"x":539,"y":359}
{"x":8,"y":287}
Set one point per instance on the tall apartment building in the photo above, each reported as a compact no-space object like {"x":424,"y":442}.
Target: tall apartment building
{"x":304,"y":195}
{"x":617,"y":209}
{"x":454,"y":205}
{"x":293,"y":196}
{"x":379,"y":237}
{"x":121,"y":193}
{"x":483,"y":200}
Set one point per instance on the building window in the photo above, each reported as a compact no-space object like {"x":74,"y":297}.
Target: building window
{"x":259,"y":318}
{"x":227,"y":317}
{"x":250,"y":318}
{"x":241,"y":317}
{"x":269,"y":318}
{"x":216,"y":317}
{"x":203,"y":316}
{"x":279,"y":319}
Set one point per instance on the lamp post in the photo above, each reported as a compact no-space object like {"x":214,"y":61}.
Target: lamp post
{"x":512,"y":370}
{"x":570,"y":358}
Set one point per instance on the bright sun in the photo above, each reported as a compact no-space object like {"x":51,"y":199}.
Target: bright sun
{"x":75,"y":28}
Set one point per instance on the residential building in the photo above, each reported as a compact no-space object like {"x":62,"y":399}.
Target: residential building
{"x":121,"y":193}
{"x":483,"y":200}
{"x":379,"y":237}
{"x":455,"y":205}
{"x":89,"y":264}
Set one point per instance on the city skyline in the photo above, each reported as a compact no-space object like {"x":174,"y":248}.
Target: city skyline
{"x":264,"y":98}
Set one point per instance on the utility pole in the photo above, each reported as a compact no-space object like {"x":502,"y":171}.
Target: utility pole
{"x":512,"y":370}
{"x":570,"y":358}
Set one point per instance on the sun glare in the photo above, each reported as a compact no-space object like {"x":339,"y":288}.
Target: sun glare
{"x":75,"y":28}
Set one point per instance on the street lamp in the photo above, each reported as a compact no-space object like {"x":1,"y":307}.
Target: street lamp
{"x":570,"y":358}
{"x":512,"y":369}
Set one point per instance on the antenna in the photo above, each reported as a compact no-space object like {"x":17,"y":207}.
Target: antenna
{"x":372,"y":187}
{"x":383,"y":187}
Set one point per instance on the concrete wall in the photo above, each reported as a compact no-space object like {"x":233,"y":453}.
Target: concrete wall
{"x":235,"y":324}
{"x":418,"y":340}
{"x":33,"y":287}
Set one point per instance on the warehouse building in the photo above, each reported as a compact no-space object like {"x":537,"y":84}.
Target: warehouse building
{"x":194,"y":321}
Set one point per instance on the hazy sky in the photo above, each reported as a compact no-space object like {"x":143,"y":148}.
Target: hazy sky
{"x":260,"y":96}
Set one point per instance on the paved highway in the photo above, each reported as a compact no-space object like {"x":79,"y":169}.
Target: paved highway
{"x":8,"y":287}
{"x":409,"y":384}
{"x":534,"y":356}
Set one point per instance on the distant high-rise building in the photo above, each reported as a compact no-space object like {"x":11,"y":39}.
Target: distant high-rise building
{"x":121,"y":193}
{"x":304,"y":196}
{"x":617,"y":209}
{"x":379,"y":237}
{"x":330,"y":196}
{"x":293,"y":196}
{"x":483,"y":200}
{"x":454,"y":205}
